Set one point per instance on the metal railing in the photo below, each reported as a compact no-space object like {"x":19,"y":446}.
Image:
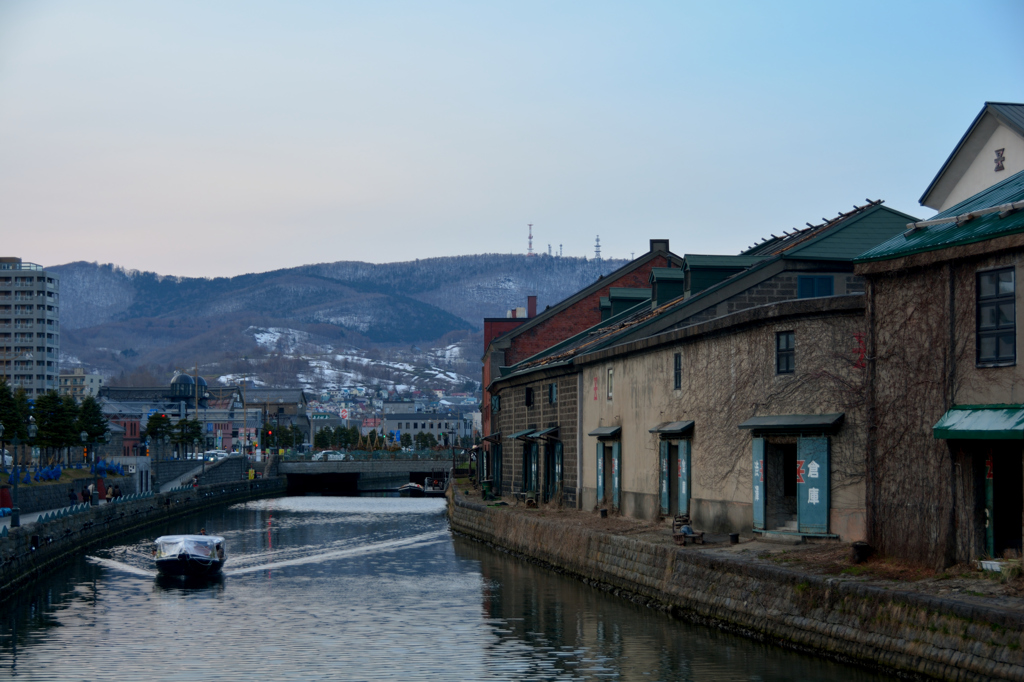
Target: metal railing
{"x":371,"y":455}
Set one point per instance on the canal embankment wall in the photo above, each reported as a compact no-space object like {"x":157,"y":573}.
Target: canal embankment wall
{"x":35,"y":549}
{"x":911,"y":634}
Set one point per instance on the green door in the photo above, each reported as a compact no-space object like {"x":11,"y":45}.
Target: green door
{"x":533,"y":467}
{"x":683,"y":474}
{"x":616,"y":473}
{"x":990,"y":535}
{"x":663,"y":477}
{"x":558,"y":468}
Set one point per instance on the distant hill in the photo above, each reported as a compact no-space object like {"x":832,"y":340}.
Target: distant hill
{"x":114,"y":316}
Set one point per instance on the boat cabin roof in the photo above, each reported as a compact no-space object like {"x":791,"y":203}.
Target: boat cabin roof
{"x":203,"y":539}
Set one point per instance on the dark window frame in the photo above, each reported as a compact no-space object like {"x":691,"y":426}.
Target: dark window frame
{"x":528,"y":396}
{"x":820,"y":286}
{"x":998,"y":329}
{"x":785,"y":352}
{"x":677,"y":371}
{"x":553,"y":393}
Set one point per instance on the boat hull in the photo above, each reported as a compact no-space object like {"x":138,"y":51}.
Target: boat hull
{"x":185,"y":566}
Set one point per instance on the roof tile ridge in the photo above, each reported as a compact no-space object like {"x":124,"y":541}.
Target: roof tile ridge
{"x":815,"y":230}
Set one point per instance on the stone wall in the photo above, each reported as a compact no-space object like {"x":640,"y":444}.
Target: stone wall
{"x":224,"y":471}
{"x":168,"y":470}
{"x":37,"y":548}
{"x":906,"y":633}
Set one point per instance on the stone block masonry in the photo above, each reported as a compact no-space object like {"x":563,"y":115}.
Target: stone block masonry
{"x":910,"y":634}
{"x":35,"y":549}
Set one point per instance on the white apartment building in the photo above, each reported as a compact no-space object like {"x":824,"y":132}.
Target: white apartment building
{"x":79,"y":384}
{"x":29,"y":326}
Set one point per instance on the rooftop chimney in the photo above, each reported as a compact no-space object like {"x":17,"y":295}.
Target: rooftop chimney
{"x":659,"y":245}
{"x":531,"y":306}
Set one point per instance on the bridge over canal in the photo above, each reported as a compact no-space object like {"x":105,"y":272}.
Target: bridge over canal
{"x":361,"y":476}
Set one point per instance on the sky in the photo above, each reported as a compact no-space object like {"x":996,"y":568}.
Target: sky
{"x":212,"y":139}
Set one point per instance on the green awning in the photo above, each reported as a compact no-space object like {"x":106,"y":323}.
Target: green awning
{"x":671,"y":430}
{"x":520,"y":434}
{"x":982,"y":422}
{"x":794,"y":423}
{"x":493,"y":437}
{"x":604,"y":432}
{"x":550,"y":433}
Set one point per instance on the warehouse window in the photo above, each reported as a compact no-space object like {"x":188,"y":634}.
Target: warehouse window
{"x":997,"y":324}
{"x":785,"y":352}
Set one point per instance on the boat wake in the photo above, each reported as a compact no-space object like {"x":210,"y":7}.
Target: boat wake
{"x":420,"y":540}
{"x":121,"y":566}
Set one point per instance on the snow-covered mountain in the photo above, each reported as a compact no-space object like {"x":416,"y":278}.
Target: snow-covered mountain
{"x":115,"y":319}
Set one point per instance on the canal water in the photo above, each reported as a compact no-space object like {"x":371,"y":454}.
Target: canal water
{"x":343,"y":588}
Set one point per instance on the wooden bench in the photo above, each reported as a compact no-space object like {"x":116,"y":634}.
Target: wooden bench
{"x":682,"y":538}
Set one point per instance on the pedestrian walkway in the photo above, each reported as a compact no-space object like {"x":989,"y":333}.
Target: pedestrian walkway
{"x":32,"y":517}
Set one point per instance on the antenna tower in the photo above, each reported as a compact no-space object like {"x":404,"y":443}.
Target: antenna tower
{"x":597,"y":248}
{"x":559,"y":250}
{"x":529,"y":242}
{"x":549,"y":249}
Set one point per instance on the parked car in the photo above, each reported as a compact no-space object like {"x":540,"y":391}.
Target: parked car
{"x":328,"y":456}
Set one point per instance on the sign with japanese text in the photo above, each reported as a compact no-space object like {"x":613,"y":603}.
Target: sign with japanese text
{"x":812,"y":492}
{"x":600,"y":472}
{"x":757,"y":477}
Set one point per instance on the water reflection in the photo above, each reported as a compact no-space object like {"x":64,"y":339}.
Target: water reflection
{"x":355,"y":588}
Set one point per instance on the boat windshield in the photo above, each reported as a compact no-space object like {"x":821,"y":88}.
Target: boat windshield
{"x":194,"y":545}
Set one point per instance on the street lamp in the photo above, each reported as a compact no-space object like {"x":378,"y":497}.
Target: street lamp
{"x":15,"y":441}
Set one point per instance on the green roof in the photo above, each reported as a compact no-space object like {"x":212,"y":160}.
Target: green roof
{"x":695,"y":260}
{"x":946,"y":235}
{"x":982,"y":422}
{"x":666,"y":275}
{"x":623,"y":293}
{"x":853,"y":236}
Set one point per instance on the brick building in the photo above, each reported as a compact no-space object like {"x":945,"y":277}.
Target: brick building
{"x":508,"y":341}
